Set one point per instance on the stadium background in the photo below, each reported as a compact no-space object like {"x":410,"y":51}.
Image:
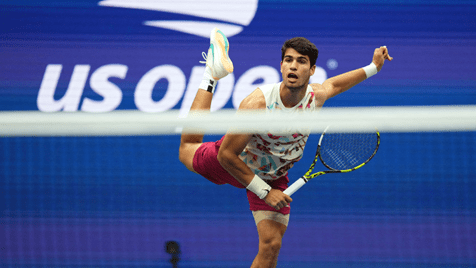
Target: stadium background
{"x":115,"y":201}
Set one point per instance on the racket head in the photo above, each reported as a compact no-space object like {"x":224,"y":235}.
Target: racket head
{"x":345,"y":152}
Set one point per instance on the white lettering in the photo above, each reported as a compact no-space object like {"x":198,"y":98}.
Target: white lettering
{"x":70,"y":101}
{"x":245,"y":84}
{"x":111,"y":93}
{"x":143,"y":93}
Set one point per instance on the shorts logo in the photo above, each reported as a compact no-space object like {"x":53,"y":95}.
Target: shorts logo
{"x":230,"y":16}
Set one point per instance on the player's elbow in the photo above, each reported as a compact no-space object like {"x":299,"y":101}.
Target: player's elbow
{"x":225,"y":158}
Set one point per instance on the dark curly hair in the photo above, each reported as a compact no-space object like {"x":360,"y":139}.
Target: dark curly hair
{"x":303,"y":46}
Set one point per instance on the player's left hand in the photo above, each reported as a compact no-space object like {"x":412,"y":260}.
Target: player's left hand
{"x":380,"y":55}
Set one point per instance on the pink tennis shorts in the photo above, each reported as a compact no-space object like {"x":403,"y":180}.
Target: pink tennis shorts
{"x":205,"y":163}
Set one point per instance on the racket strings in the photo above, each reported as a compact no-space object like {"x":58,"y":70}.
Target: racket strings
{"x":341,"y":151}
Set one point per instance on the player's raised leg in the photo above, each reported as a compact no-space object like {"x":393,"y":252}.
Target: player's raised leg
{"x":218,"y":65}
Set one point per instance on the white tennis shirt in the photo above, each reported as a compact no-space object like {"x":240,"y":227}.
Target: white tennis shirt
{"x":271,"y":156}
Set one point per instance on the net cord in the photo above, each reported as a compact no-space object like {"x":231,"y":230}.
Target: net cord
{"x":137,"y":123}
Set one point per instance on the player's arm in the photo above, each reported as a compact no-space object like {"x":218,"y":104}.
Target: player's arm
{"x":230,"y":149}
{"x":341,"y":83}
{"x":234,"y":144}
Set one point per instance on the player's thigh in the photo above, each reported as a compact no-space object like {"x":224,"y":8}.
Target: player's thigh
{"x":187,"y":153}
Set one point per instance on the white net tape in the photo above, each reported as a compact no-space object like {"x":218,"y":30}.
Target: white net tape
{"x":132,"y":122}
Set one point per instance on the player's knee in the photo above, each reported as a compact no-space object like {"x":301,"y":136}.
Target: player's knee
{"x":275,"y":246}
{"x":272,"y":245}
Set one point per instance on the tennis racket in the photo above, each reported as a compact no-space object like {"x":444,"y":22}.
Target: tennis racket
{"x":340,"y":153}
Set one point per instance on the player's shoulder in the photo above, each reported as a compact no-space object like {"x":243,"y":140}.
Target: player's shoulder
{"x":320,"y":93}
{"x":255,"y":100}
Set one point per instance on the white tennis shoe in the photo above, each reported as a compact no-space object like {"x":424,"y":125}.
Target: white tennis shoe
{"x":217,"y":59}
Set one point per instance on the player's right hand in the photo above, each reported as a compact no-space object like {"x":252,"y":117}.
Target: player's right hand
{"x":277,"y":199}
{"x":380,"y":55}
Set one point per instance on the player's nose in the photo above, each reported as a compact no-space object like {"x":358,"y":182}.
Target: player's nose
{"x":293,"y":66}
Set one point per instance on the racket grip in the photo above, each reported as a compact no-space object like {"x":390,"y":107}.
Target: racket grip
{"x":295,"y":186}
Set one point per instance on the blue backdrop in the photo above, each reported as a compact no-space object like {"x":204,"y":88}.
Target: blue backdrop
{"x":115,"y":201}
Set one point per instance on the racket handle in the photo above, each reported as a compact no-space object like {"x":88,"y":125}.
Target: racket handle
{"x":295,"y":186}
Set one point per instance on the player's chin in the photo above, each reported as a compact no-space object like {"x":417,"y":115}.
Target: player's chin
{"x":294,"y":85}
{"x":290,"y":83}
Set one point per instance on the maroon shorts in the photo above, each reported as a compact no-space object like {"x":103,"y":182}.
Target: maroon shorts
{"x":205,"y":163}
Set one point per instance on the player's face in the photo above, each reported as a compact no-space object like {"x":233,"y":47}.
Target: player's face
{"x":296,"y":69}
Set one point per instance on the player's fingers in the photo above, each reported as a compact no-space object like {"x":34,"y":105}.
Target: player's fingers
{"x":389,"y":57}
{"x":288,"y":199}
{"x":281,"y":204}
{"x":385,"y":53}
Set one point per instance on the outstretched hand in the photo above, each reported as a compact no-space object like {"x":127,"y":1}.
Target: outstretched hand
{"x":380,"y":55}
{"x":277,"y":199}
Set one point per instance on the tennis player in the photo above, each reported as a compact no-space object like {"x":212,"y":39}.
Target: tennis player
{"x":260,"y":162}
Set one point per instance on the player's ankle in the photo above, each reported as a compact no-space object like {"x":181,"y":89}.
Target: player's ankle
{"x":208,"y":82}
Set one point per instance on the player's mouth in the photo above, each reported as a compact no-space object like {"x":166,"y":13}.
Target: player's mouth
{"x":292,"y":76}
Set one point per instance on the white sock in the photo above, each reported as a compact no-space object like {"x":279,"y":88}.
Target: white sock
{"x":208,"y":83}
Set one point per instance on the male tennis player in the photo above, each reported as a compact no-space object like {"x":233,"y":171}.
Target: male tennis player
{"x":260,"y":162}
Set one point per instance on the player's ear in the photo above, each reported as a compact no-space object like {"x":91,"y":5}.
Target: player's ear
{"x":313,"y":70}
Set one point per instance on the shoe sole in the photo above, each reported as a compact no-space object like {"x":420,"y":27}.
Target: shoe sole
{"x":222,"y":41}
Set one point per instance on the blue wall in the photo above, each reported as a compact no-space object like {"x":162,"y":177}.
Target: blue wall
{"x":115,"y":201}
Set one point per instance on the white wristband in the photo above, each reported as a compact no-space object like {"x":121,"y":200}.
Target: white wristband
{"x":259,"y":187}
{"x":370,"y":70}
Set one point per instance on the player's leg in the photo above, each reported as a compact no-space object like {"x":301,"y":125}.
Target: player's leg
{"x":270,"y":238}
{"x":190,"y":142}
{"x":218,"y":65}
{"x":271,"y":226}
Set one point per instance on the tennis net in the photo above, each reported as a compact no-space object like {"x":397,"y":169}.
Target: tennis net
{"x":108,"y":190}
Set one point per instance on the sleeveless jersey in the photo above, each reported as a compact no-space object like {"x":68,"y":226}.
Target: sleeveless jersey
{"x":271,"y":156}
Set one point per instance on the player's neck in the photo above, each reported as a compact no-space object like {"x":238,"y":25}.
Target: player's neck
{"x":291,"y":96}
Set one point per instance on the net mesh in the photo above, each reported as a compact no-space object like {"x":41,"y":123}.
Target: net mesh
{"x":113,"y":200}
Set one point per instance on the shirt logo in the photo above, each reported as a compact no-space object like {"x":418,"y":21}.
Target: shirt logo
{"x":230,"y":16}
